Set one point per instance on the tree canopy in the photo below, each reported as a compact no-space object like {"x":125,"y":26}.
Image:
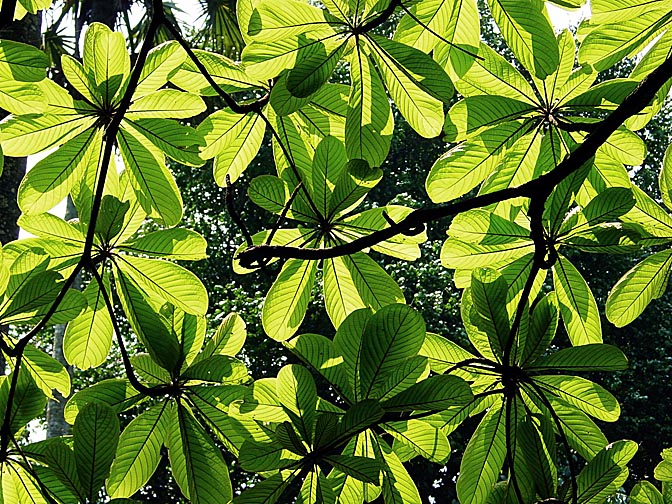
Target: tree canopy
{"x":540,"y":152}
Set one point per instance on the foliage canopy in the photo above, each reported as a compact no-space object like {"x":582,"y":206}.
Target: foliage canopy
{"x":536,"y":167}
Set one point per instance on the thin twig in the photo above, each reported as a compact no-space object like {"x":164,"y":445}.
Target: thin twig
{"x":283,"y":214}
{"x":128,"y":367}
{"x":233,"y":213}
{"x":238,"y":108}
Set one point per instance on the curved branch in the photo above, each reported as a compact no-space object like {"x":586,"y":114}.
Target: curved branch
{"x":238,"y":108}
{"x":128,"y":367}
{"x":539,"y":187}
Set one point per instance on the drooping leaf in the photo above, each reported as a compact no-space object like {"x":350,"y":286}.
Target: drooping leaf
{"x":354,"y":282}
{"x":138,"y":453}
{"x":96,"y":434}
{"x":394,"y":333}
{"x":287,"y":300}
{"x":196,"y":463}
{"x":529,"y":34}
{"x":577,"y":304}
{"x":483,"y":458}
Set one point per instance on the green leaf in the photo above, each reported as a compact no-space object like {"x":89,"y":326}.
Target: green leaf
{"x":296,"y":392}
{"x":262,"y":403}
{"x":106,"y":59}
{"x":443,"y":354}
{"x":22,"y":62}
{"x":149,"y":325}
{"x":287,"y":300}
{"x":167,"y":280}
{"x":394,"y":333}
{"x":228,"y":340}
{"x":423,"y":439}
{"x":434,"y":393}
{"x":214,"y":406}
{"x":602,"y":470}
{"x":489,"y":74}
{"x":149,"y":370}
{"x":61,"y":460}
{"x":289,"y":439}
{"x":270,"y":193}
{"x":96,"y":434}
{"x":268,"y":23}
{"x":403,"y":376}
{"x":468,"y":117}
{"x":483,"y":458}
{"x":31,"y":133}
{"x":196,"y":463}
{"x":47,"y":372}
{"x":314,"y":65}
{"x":583,"y":394}
{"x":356,"y":180}
{"x":219,"y":369}
{"x":138,"y":453}
{"x":529,"y":33}
{"x":644,"y":492}
{"x":456,"y":254}
{"x":233,"y":140}
{"x":362,"y":468}
{"x":357,"y":281}
{"x":154,"y":185}
{"x":423,"y":111}
{"x":88,"y":336}
{"x":374,"y":219}
{"x":665,"y":178}
{"x":329,"y":163}
{"x":609,"y":43}
{"x":592,"y":357}
{"x":577,"y":304}
{"x":663,"y":472}
{"x":321,"y":354}
{"x":582,"y":434}
{"x":52,"y":178}
{"x":80,"y":79}
{"x":398,"y":486}
{"x":21,"y":98}
{"x":162,"y":63}
{"x":175,"y":243}
{"x":117,"y":393}
{"x":488,"y":294}
{"x":28,"y":401}
{"x":175,"y":140}
{"x":316,"y":488}
{"x":266,"y":491}
{"x":369,"y":123}
{"x":536,"y":445}
{"x":166,"y":103}
{"x":359,"y":417}
{"x":229,"y":75}
{"x":466,"y":165}
{"x":445,"y":26}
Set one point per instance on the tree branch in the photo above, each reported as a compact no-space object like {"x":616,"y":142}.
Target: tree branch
{"x":238,"y":108}
{"x":128,"y":367}
{"x":632,"y":105}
